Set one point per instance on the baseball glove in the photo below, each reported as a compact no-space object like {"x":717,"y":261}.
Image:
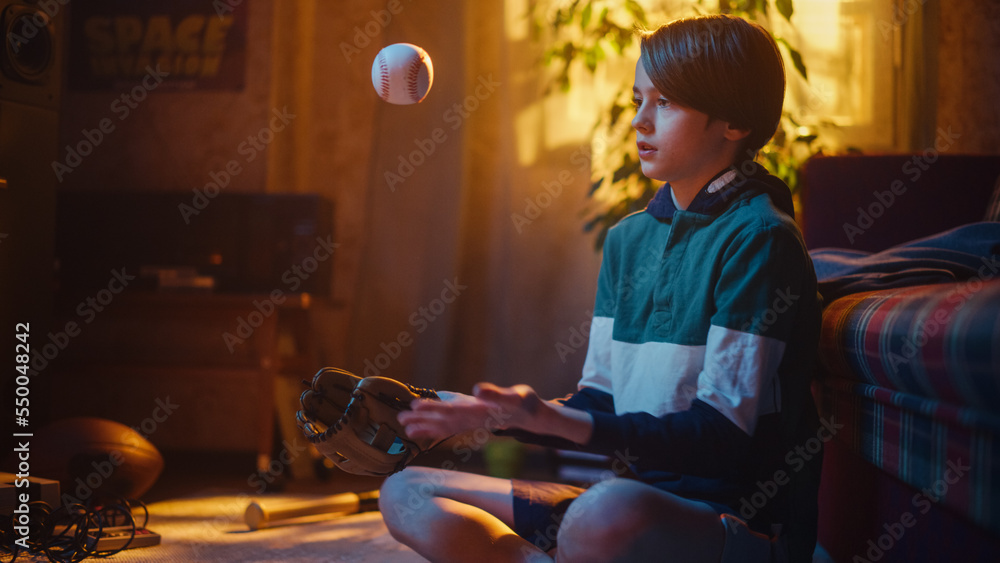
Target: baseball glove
{"x":352,"y":421}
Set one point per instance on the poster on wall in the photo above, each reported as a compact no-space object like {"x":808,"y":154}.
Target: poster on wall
{"x":181,"y":44}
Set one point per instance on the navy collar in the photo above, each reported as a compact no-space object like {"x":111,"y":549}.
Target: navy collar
{"x":712,"y":198}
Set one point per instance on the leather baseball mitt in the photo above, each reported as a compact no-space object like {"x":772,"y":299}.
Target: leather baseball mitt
{"x":352,"y":421}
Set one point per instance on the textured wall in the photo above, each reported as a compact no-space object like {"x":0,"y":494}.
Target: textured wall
{"x":175,"y":140}
{"x":969,"y":74}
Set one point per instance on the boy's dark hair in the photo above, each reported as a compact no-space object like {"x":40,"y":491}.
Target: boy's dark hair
{"x":721,"y":65}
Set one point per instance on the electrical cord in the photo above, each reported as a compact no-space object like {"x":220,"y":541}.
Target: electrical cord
{"x":73,"y":532}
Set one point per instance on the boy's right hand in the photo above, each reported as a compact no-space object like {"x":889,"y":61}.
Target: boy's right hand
{"x":494,"y":408}
{"x":491,"y":407}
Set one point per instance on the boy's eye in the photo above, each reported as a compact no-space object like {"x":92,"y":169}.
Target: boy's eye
{"x":636,"y":102}
{"x":663,"y":102}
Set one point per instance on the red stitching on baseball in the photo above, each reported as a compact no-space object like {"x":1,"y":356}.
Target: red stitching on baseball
{"x":411,"y":78}
{"x":383,"y":74}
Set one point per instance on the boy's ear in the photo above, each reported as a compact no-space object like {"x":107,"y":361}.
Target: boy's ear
{"x":734,"y":133}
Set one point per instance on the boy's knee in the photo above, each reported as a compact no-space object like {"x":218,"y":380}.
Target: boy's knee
{"x":408,"y":492}
{"x":403,"y":495}
{"x":602,"y":520}
{"x":409,"y":478}
{"x":623,"y":502}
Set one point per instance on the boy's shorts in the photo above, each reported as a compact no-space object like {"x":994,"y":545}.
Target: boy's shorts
{"x":540,"y":507}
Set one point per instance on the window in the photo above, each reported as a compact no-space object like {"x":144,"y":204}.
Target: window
{"x":853,"y":52}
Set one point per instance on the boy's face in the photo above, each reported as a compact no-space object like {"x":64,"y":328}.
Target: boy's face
{"x":677,"y":144}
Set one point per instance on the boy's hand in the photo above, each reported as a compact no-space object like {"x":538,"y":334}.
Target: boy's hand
{"x":495,"y":408}
{"x":491,"y":407}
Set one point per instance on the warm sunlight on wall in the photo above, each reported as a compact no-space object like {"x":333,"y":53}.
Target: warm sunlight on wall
{"x":559,"y":119}
{"x":848,"y":47}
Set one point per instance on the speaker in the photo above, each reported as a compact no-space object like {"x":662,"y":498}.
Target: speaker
{"x":31,"y":82}
{"x":31,"y":65}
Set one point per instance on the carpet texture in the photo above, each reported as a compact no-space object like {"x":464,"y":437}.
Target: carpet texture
{"x":212,"y":529}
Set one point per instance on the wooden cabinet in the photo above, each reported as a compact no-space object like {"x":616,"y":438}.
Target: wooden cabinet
{"x":190,"y":371}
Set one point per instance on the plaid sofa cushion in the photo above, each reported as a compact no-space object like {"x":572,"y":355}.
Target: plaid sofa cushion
{"x":935,"y":341}
{"x":913,"y":374}
{"x":945,"y":453}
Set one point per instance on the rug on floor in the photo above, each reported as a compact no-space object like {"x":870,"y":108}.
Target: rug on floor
{"x":212,"y":529}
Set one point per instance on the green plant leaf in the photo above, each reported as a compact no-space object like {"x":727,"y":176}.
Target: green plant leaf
{"x":617,"y":45}
{"x":628,"y":168}
{"x":785,"y":8}
{"x":588,"y":11}
{"x":569,"y":51}
{"x":616,"y":113}
{"x":752,"y":8}
{"x":797,"y":62}
{"x":796,"y":57}
{"x":636,"y":11}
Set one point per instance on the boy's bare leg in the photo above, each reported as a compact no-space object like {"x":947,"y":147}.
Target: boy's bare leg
{"x":624,"y":521}
{"x":454,"y":516}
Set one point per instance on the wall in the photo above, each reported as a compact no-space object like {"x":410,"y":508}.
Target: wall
{"x":968,"y":84}
{"x":174,"y":140}
{"x":434,"y":281}
{"x":436,"y":284}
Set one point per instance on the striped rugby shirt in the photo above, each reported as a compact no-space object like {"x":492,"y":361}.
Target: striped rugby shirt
{"x":703,"y":345}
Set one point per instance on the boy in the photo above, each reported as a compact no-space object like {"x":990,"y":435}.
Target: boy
{"x":700,"y":356}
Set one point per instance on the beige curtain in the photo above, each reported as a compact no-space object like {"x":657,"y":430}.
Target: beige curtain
{"x":474,"y":267}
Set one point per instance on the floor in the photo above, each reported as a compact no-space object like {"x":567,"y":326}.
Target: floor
{"x":190,"y":473}
{"x":199,"y":502}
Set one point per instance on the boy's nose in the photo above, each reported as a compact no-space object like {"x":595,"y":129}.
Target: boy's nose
{"x":639,"y":122}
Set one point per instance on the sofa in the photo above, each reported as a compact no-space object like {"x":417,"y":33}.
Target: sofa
{"x":909,"y":354}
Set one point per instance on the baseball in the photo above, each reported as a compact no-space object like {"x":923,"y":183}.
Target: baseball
{"x":402,"y":74}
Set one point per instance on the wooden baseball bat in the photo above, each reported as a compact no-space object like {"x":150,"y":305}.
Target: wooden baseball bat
{"x":274,"y":513}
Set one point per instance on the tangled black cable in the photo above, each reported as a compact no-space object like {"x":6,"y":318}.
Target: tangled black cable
{"x":72,"y":532}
